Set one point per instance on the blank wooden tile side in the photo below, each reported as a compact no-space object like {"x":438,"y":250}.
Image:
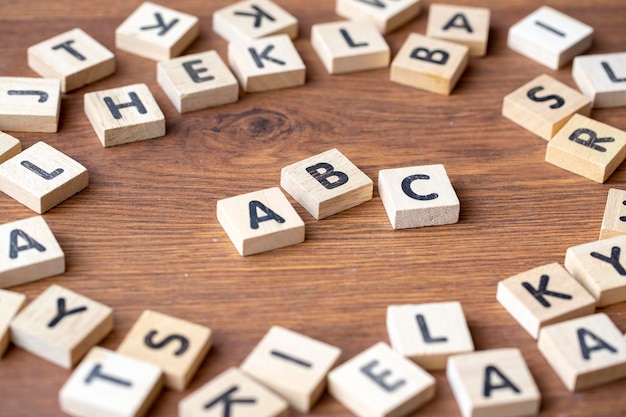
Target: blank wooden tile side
{"x":465,"y":25}
{"x":614,"y":219}
{"x":29,"y":104}
{"x":10,"y":304}
{"x":9,"y":147}
{"x":386,"y":15}
{"x":602,"y":78}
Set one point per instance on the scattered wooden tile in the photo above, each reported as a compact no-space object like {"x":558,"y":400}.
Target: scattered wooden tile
{"x":386,"y":15}
{"x":29,"y":104}
{"x":418,"y":196}
{"x":462,"y":24}
{"x":429,"y":64}
{"x":124,"y":115}
{"x":9,"y":147}
{"x":544,"y":295}
{"x":602,"y":78}
{"x":292,"y":365}
{"x":614,"y":220}
{"x":156,"y":32}
{"x":42,"y":177}
{"x":10,"y":304}
{"x":109,"y":384}
{"x":74,"y":58}
{"x":544,"y":105}
{"x":493,"y":383}
{"x":550,"y":37}
{"x":584,"y":352}
{"x":429,"y":333}
{"x":61,"y":326}
{"x":588,"y":148}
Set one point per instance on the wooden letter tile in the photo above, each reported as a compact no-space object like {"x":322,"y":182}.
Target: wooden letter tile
{"x":156,"y":32}
{"x":387,"y":15}
{"x":326,"y":184}
{"x":466,"y":25}
{"x":380,"y":382}
{"x":544,"y":295}
{"x":9,"y":147}
{"x":177,"y":346}
{"x":614,"y":220}
{"x":61,"y":326}
{"x":107,"y":384}
{"x":584,"y":352}
{"x":588,"y":148}
{"x":10,"y":304}
{"x":429,"y":333}
{"x":429,"y":64}
{"x":602,"y":78}
{"x":550,"y":37}
{"x":418,"y":196}
{"x":125,"y":114}
{"x":198,"y":81}
{"x":493,"y":383}
{"x":292,"y":365}
{"x":73,"y":57}
{"x":29,"y":104}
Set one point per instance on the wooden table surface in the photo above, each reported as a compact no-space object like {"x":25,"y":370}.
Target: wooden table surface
{"x":144,"y":234}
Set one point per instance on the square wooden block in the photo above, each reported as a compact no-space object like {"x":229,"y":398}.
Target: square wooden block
{"x":418,"y":196}
{"x":584,"y":352}
{"x":429,"y":333}
{"x":253,"y":19}
{"x":267,"y":64}
{"x":198,"y":81}
{"x":156,"y":32}
{"x":73,"y":57}
{"x":10,"y":304}
{"x":29,"y":104}
{"x":42,"y":177}
{"x":380,"y":382}
{"x":326,"y":184}
{"x":9,"y":147}
{"x":544,"y":295}
{"x":28,"y":252}
{"x":588,"y":148}
{"x":61,"y":326}
{"x":109,"y":384}
{"x":550,"y":37}
{"x":544,"y":105}
{"x":233,"y":393}
{"x":493,"y":383}
{"x":124,"y":115}
{"x":292,"y":365}
{"x":614,"y":220}
{"x":429,"y":64}
{"x":465,"y":25}
{"x":602,"y":78}
{"x":177,"y":346}
{"x":385,"y":14}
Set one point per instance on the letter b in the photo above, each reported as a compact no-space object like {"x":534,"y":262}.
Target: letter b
{"x":327,"y":172}
{"x":436,"y":56}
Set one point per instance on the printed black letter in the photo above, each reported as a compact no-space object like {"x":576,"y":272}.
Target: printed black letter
{"x":43,"y":174}
{"x":611,"y":74}
{"x":550,"y":28}
{"x":15,"y":248}
{"x":532,"y":95}
{"x":62,"y":312}
{"x":421,"y":322}
{"x":228,"y":402}
{"x":264,"y":55}
{"x":586,"y":350}
{"x":543,"y":290}
{"x":488,"y":387}
{"x":464,"y":23}
{"x":95,"y":373}
{"x":613,"y":260}
{"x":43,"y":96}
{"x":134,"y":102}
{"x":406,"y":187}
{"x":349,"y":40}
{"x":193,"y":72}
{"x":258,"y":16}
{"x":592,"y":141}
{"x":160,"y":24}
{"x":380,"y":378}
{"x":66,"y":45}
{"x":184,"y":342}
{"x":269,"y":214}
{"x":286,"y":357}
{"x":424,"y":54}
{"x":328,"y":172}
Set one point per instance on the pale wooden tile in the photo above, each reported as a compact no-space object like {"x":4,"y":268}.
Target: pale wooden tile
{"x":107,"y":384}
{"x":61,"y":326}
{"x":292,"y":365}
{"x":588,"y":148}
{"x":385,"y":14}
{"x":177,"y":346}
{"x":462,"y":24}
{"x":9,"y":147}
{"x":602,"y":78}
{"x":29,"y":104}
{"x":10,"y":304}
{"x":614,"y":220}
{"x":429,"y":333}
{"x":326,"y":184}
{"x":198,"y":81}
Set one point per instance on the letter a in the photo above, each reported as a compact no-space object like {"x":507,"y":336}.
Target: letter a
{"x":15,"y":248}
{"x":269,"y":214}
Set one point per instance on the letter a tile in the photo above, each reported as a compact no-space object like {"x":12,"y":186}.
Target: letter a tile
{"x":10,"y":304}
{"x":614,"y":220}
{"x":29,"y":104}
{"x":602,"y":78}
{"x":465,"y":25}
{"x":385,"y":14}
{"x":9,"y":147}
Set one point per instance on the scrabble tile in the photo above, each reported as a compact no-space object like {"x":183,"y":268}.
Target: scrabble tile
{"x":42,"y":177}
{"x":266,"y":64}
{"x":418,"y":196}
{"x":10,"y":304}
{"x":260,"y":221}
{"x":614,"y":220}
{"x":544,"y":105}
{"x":550,"y":37}
{"x":233,"y":393}
{"x":588,"y":148}
{"x":73,"y":57}
{"x":326,"y":184}
{"x":124,"y":115}
{"x":177,"y":346}
{"x":292,"y":365}
{"x":380,"y":382}
{"x":599,"y":267}
{"x":602,"y":78}
{"x":465,"y":25}
{"x":429,"y":64}
{"x":387,"y":15}
{"x":253,"y":19}
{"x":61,"y":326}
{"x":198,"y":81}
{"x":29,"y":104}
{"x":156,"y":32}
{"x":9,"y":147}
{"x":493,"y":383}
{"x":107,"y":384}
{"x":28,"y":252}
{"x":350,"y":46}
{"x":429,"y":333}
{"x":584,"y":352}
{"x":544,"y":295}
